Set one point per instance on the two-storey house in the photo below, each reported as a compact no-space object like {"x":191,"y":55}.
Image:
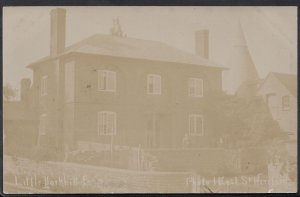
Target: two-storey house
{"x":115,"y":89}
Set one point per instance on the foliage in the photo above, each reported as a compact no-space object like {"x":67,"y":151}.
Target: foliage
{"x":9,"y":93}
{"x":241,"y":123}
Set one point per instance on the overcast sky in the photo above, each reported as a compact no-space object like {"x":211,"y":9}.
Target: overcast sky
{"x":271,"y":32}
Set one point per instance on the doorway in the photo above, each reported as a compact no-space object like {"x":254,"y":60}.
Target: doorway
{"x":153,"y":130}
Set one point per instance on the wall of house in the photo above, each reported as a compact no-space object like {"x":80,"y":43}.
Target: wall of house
{"x":132,"y":103}
{"x":49,"y":104}
{"x":72,"y":106}
{"x":44,"y":103}
{"x":68,"y":103}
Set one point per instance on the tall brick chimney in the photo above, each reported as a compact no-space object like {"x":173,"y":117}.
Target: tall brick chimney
{"x":58,"y":31}
{"x":202,"y":43}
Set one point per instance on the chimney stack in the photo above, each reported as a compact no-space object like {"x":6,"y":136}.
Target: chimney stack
{"x":58,"y":31}
{"x":202,"y":43}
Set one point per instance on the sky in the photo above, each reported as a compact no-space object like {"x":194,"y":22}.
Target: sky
{"x":271,"y":33}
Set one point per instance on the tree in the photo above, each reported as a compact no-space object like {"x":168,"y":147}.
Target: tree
{"x":241,"y":123}
{"x":245,"y":123}
{"x":9,"y":93}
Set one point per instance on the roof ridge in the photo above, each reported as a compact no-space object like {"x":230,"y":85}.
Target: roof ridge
{"x":288,"y":80}
{"x":136,"y":48}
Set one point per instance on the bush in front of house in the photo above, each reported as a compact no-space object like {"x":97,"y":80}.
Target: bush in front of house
{"x":97,"y":158}
{"x":241,"y":123}
{"x":47,"y":153}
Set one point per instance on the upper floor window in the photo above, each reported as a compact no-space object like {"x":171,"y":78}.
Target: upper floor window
{"x":106,"y":80}
{"x":196,"y":125}
{"x":195,"y":87}
{"x":44,"y":84}
{"x":106,"y":123}
{"x":153,"y":84}
{"x":285,"y":103}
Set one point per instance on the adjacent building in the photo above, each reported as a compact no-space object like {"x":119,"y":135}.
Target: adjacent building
{"x":279,"y":91}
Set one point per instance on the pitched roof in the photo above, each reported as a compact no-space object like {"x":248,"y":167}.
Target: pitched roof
{"x":288,"y":80}
{"x":133,"y":48}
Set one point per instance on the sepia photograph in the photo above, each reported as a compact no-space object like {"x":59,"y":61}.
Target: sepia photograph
{"x":149,"y":99}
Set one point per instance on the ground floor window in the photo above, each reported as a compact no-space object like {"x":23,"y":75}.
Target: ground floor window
{"x":196,"y":125}
{"x":106,"y":123}
{"x":285,"y":103}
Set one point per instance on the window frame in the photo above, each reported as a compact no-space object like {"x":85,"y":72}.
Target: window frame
{"x":103,"y":116}
{"x":107,"y":80}
{"x":192,"y":84}
{"x":156,"y":83}
{"x":44,"y":85}
{"x":194,"y":117}
{"x":283,"y":106}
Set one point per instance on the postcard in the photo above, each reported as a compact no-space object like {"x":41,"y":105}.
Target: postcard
{"x":158,"y":99}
